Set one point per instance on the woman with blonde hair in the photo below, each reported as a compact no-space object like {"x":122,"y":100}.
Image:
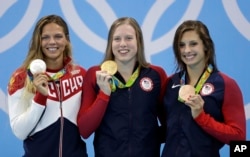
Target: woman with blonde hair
{"x":43,"y":105}
{"x":122,"y":98}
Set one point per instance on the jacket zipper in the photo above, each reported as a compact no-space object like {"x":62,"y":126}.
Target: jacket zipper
{"x":130,"y":123}
{"x":58,"y":85}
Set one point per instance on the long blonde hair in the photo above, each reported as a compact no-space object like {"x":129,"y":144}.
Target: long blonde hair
{"x":35,"y":50}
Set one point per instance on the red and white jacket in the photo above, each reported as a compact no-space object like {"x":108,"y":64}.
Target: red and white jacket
{"x":35,"y":117}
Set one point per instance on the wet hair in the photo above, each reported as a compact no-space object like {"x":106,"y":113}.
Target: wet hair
{"x":203,"y":33}
{"x":139,"y":37}
{"x":35,"y":50}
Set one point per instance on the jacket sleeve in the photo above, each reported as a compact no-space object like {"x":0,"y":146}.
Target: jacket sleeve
{"x":93,"y":107}
{"x":24,"y":107}
{"x":234,"y":125}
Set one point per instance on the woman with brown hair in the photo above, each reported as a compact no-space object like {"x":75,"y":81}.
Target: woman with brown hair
{"x":204,"y":107}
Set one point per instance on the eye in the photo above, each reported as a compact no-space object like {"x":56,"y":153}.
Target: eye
{"x":45,"y":37}
{"x":181,"y":45}
{"x":116,"y":38}
{"x":58,"y":36}
{"x":129,"y":37}
{"x":194,"y":43}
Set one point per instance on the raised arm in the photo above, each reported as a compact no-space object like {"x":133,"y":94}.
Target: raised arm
{"x":94,"y":104}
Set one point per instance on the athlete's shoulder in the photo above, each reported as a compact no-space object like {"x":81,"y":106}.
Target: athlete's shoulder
{"x":17,"y":80}
{"x":91,"y":72}
{"x":153,"y":66}
{"x":93,"y":69}
{"x":79,"y":68}
{"x":227,"y":79}
{"x":157,"y":68}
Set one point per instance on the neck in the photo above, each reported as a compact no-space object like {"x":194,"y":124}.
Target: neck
{"x":194,"y":74}
{"x":126,"y":70}
{"x":54,"y":64}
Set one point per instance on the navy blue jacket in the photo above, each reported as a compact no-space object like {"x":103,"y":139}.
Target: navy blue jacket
{"x":216,"y":126}
{"x":128,"y":119}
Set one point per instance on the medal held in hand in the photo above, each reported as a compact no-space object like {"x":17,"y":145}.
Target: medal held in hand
{"x":185,"y":91}
{"x":37,"y":66}
{"x":109,"y":66}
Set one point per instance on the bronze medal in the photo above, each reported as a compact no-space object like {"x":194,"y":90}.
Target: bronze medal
{"x":185,"y":91}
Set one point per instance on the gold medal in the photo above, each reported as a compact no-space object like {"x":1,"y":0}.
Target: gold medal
{"x":185,"y":91}
{"x":109,"y":66}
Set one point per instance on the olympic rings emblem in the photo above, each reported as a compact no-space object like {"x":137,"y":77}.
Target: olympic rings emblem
{"x":23,"y":27}
{"x":150,"y":22}
{"x":237,"y":18}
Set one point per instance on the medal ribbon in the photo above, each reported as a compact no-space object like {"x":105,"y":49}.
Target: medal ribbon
{"x":115,"y":82}
{"x":202,"y":80}
{"x":54,"y":77}
{"x":57,"y":75}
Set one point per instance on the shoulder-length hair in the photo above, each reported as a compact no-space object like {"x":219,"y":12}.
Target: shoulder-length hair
{"x":203,"y":32}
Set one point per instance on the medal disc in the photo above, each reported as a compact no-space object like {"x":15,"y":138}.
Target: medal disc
{"x":109,"y":66}
{"x":185,"y":91}
{"x":37,"y":66}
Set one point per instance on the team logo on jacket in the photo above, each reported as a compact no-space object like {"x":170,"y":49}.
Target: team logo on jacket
{"x":146,"y":84}
{"x":207,"y":89}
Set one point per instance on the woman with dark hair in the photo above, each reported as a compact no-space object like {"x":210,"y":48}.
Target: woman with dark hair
{"x":122,"y":98}
{"x":204,"y":107}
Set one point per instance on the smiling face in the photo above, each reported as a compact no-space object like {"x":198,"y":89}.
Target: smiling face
{"x":124,"y":44}
{"x":191,"y":49}
{"x":193,"y":36}
{"x":53,"y":42}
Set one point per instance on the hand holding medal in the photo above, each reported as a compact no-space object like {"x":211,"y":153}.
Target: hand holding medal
{"x":104,"y":76}
{"x":109,"y":66}
{"x":185,"y":91}
{"x":38,"y":66}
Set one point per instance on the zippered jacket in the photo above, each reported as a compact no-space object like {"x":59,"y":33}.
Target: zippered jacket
{"x":126,"y":122}
{"x":47,"y":124}
{"x":222,"y":120}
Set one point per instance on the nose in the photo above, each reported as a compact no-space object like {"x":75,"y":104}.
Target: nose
{"x":123,"y":43}
{"x":186,"y":49}
{"x":52,"y":40}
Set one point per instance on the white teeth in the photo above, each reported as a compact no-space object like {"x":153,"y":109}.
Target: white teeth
{"x":188,"y":57}
{"x":52,"y":49}
{"x":123,"y":51}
